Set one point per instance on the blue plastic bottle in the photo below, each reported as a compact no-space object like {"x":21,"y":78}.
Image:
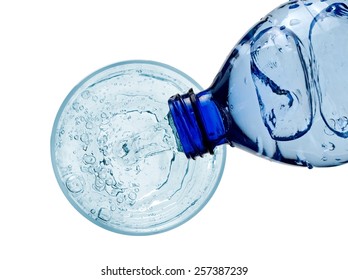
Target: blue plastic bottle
{"x":282,"y":92}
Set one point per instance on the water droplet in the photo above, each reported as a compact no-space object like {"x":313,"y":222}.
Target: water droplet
{"x":294,"y":6}
{"x":328,"y":147}
{"x":294,"y":22}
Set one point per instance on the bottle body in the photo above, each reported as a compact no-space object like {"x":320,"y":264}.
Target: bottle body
{"x":282,"y":92}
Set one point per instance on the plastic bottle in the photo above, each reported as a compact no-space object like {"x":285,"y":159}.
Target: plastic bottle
{"x":282,"y":92}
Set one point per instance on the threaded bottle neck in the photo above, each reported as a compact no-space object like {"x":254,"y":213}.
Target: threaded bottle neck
{"x":197,"y":121}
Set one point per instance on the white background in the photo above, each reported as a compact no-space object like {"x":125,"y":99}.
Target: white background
{"x":282,"y":222}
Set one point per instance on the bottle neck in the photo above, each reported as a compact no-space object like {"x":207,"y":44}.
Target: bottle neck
{"x":197,"y":122}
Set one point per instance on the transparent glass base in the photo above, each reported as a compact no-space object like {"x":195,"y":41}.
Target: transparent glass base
{"x":115,"y":155}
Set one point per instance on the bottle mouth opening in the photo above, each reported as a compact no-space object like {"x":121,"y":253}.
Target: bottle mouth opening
{"x":185,"y":114}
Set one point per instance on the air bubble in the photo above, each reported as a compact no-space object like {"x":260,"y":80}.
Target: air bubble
{"x":120,"y":199}
{"x":132,"y":195}
{"x":75,"y":184}
{"x":112,"y":191}
{"x":84,"y":169}
{"x":85,"y":138}
{"x":103,"y":174}
{"x":102,"y":140}
{"x":88,"y":159}
{"x":109,"y":182}
{"x":104,"y":214}
{"x":112,"y":206}
{"x":99,"y":184}
{"x":89,"y":125}
{"x":75,"y":106}
{"x":85,"y":94}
